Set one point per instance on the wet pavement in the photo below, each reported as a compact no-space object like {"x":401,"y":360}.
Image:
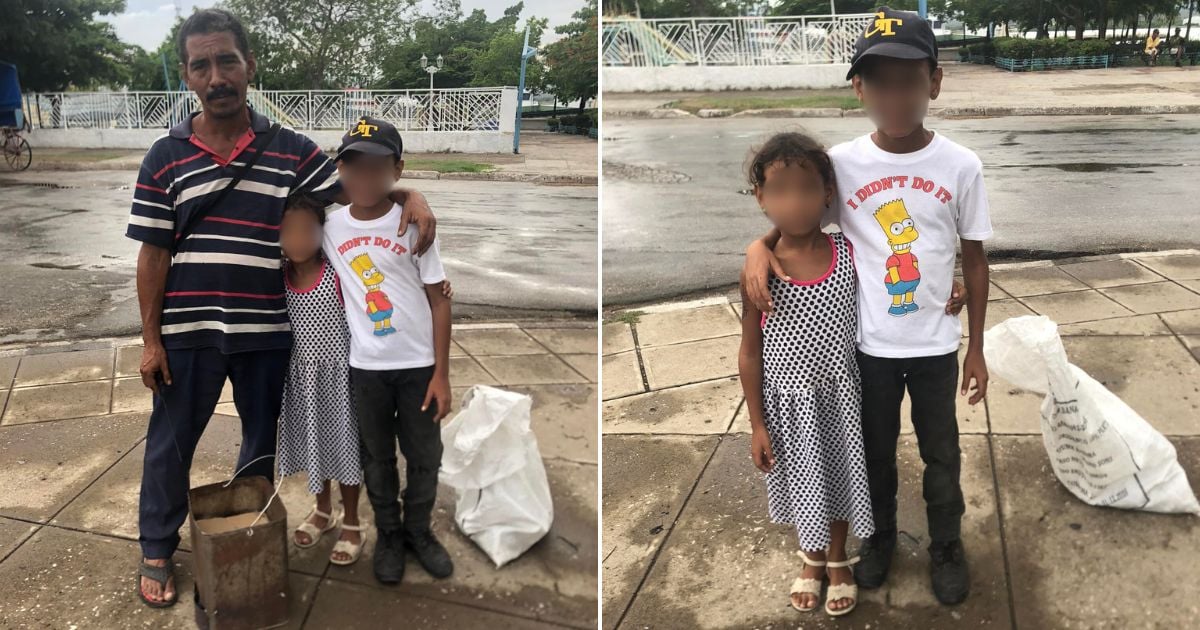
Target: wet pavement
{"x":677,"y":221}
{"x":686,"y":530}
{"x":68,"y":525}
{"x":69,"y":271}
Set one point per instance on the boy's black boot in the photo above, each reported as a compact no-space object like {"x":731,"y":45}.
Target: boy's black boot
{"x":875,"y":559}
{"x":389,"y":557}
{"x":948,"y":572}
{"x":430,"y":553}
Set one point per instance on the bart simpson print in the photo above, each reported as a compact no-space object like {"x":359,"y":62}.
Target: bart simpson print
{"x":903,"y":275}
{"x":379,"y":307}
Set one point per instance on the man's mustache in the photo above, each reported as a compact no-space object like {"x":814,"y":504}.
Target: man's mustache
{"x":221,"y":91}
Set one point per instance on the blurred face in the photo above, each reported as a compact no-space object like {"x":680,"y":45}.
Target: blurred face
{"x":300,"y":235}
{"x":368,"y":179}
{"x":793,"y":196}
{"x":896,"y":93}
{"x":218,"y":73}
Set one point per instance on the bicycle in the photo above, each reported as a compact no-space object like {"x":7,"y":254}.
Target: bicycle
{"x":17,"y":152}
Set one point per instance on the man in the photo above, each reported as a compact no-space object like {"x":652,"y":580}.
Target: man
{"x":216,"y":309}
{"x":1176,"y":47}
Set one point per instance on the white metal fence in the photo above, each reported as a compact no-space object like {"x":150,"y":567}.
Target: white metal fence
{"x":736,"y":41}
{"x":464,"y":109}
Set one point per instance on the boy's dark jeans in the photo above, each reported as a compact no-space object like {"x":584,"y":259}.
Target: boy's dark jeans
{"x":932,"y":384}
{"x":388,"y":405}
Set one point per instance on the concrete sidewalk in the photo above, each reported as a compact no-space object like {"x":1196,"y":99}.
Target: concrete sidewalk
{"x":71,"y":445}
{"x":687,"y":540}
{"x":978,"y":90}
{"x":545,"y":157}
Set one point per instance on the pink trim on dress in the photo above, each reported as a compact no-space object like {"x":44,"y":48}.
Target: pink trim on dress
{"x":828,"y":272}
{"x":288,"y":281}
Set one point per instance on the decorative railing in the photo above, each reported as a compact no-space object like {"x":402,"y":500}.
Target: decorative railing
{"x":465,"y":109}
{"x":738,"y":41}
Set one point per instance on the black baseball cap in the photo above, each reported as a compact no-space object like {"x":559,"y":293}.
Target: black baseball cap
{"x":896,"y":34}
{"x":373,"y":136}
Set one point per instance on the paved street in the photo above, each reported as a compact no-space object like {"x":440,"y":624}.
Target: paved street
{"x":72,"y":430}
{"x":687,"y":540}
{"x":675,"y":221}
{"x":68,"y":272}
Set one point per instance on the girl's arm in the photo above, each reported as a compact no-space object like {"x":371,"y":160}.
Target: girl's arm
{"x":439,"y":387}
{"x":750,"y":371}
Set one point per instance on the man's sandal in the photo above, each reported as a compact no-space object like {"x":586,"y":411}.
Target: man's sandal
{"x":314,"y":534}
{"x":802,"y":585}
{"x":345,"y":546}
{"x":841,"y":591}
{"x":157,"y":574}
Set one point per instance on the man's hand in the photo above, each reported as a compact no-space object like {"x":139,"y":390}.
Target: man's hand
{"x":760,"y":263}
{"x":416,"y":210}
{"x":760,"y":450}
{"x":154,"y":362}
{"x":975,"y":368}
{"x":439,"y":392}
{"x":958,"y":299}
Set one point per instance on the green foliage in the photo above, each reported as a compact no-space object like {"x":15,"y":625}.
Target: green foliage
{"x":58,"y":44}
{"x":469,"y":45}
{"x":1018,"y":48}
{"x":572,"y":71}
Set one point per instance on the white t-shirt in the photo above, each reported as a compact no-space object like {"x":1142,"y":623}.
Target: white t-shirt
{"x":383,"y":288}
{"x":905,"y":213}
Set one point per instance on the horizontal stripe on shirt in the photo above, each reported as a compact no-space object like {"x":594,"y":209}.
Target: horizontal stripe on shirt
{"x":225,"y":285}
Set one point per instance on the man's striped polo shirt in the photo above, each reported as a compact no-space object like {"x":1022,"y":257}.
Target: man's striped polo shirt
{"x":225,"y":286}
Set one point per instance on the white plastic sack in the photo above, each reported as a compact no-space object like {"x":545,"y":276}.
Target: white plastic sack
{"x":491,"y":459}
{"x":1100,"y":449}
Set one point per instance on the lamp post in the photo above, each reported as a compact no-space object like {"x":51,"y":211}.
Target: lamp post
{"x":527,"y":51}
{"x":432,"y":70}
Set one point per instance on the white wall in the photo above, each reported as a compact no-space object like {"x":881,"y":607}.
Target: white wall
{"x":414,"y":141}
{"x":718,"y":78}
{"x":508,"y":110}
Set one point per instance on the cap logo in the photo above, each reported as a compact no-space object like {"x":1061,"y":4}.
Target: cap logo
{"x":883,"y":26}
{"x":363,"y":129}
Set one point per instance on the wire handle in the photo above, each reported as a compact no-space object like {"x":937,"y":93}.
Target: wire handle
{"x":278,"y":483}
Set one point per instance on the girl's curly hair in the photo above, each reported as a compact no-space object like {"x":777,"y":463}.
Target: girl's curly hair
{"x":790,"y":147}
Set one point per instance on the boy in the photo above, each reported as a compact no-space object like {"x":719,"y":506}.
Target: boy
{"x":905,"y":195}
{"x":399,"y":347}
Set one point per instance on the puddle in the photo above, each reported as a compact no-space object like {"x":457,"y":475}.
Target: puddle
{"x":48,"y":265}
{"x":643,"y":174}
{"x":1096,"y":167}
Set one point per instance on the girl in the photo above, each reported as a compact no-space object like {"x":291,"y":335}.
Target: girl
{"x":318,"y":432}
{"x":800,"y":377}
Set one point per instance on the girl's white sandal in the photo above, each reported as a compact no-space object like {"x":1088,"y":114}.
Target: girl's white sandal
{"x":803,"y":585}
{"x":841,"y":591}
{"x":314,"y":534}
{"x":345,"y":546}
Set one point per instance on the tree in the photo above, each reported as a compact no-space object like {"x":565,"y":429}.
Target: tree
{"x":500,"y":62}
{"x":317,"y":44}
{"x":571,"y":61}
{"x":475,"y":51}
{"x":57,"y":44}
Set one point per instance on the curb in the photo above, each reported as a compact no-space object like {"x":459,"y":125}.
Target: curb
{"x":944,"y":112}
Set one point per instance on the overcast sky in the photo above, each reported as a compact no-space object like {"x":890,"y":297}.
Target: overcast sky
{"x":146,"y":22}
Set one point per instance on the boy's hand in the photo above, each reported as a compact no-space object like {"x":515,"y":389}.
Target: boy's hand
{"x":416,"y":210}
{"x":439,"y":393}
{"x":760,"y":263}
{"x":447,"y":290}
{"x":975,"y":367}
{"x":760,"y":450}
{"x":958,"y":298}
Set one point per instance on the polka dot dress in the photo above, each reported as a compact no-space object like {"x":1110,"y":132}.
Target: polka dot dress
{"x":318,"y":433}
{"x":812,"y":403}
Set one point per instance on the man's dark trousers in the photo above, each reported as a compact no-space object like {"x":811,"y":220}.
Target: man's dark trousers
{"x":932,"y":383}
{"x":388,"y":406}
{"x":181,"y":412}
